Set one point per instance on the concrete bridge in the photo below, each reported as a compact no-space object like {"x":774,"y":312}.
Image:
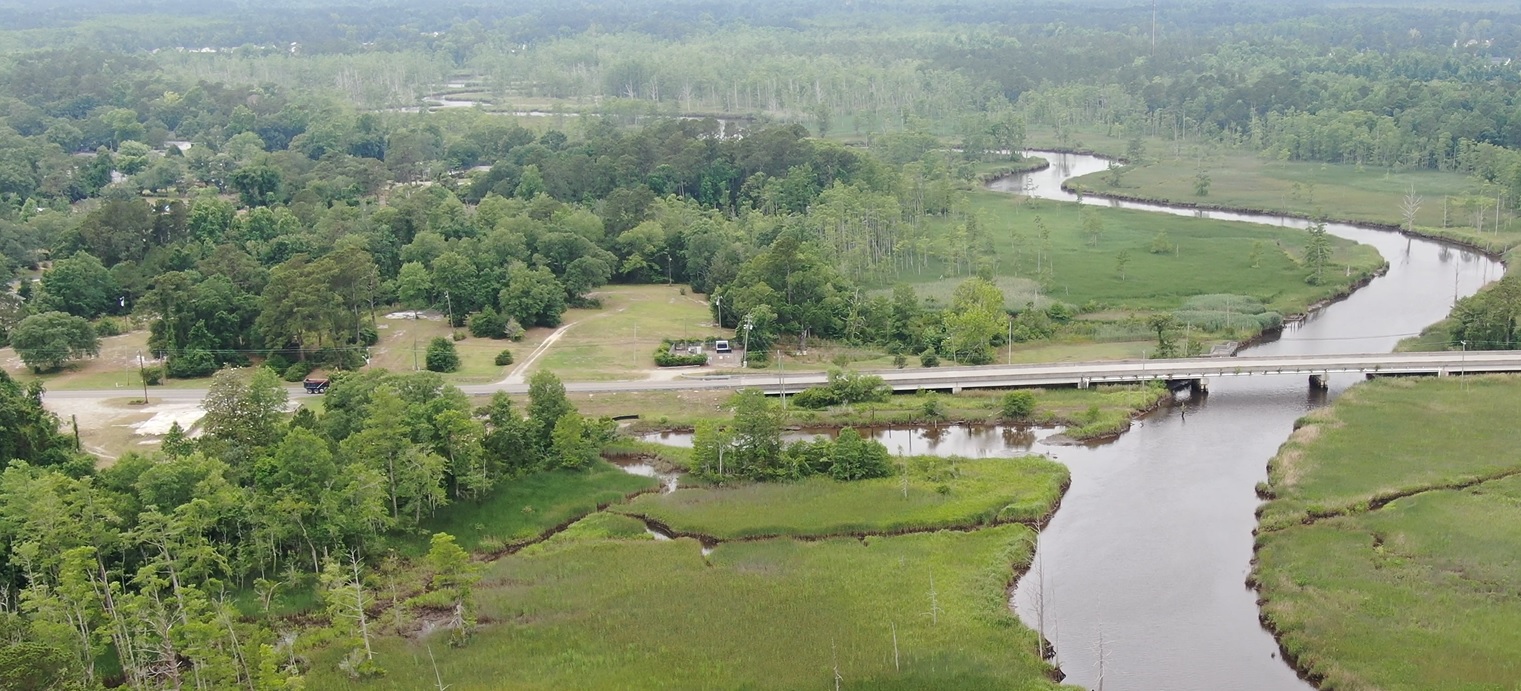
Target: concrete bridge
{"x":1178,"y":373}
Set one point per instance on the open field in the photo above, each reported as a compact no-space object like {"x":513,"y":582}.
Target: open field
{"x":1407,"y":580}
{"x":1207,"y":257}
{"x":914,"y":611}
{"x":953,"y":493}
{"x":117,"y":367}
{"x":619,"y":341}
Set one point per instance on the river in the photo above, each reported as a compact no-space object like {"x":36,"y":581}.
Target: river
{"x":1141,"y":572}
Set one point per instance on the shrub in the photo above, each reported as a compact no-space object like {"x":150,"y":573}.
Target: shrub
{"x":815,"y":398}
{"x":1018,"y":405}
{"x":900,"y":361}
{"x":458,"y":335}
{"x":514,"y":330}
{"x":153,"y":376}
{"x":503,"y":358}
{"x":488,"y":323}
{"x":665,"y":358}
{"x":928,"y":358}
{"x":191,"y":363}
{"x":278,"y":362}
{"x":109,"y":327}
{"x":368,"y":335}
{"x":442,"y":357}
{"x":297,"y":371}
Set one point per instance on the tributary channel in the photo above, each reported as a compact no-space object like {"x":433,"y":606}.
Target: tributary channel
{"x":1143,"y":568}
{"x":1139,"y":578}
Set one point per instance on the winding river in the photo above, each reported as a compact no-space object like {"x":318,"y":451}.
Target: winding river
{"x":1139,"y":579}
{"x":1142,"y":571}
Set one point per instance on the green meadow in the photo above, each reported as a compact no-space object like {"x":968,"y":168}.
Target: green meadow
{"x":1389,"y":558}
{"x":1194,"y":257}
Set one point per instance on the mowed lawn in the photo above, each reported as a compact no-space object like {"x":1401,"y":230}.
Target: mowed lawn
{"x":907,"y":612}
{"x":1417,"y":592}
{"x":1206,"y":256}
{"x":619,"y":340}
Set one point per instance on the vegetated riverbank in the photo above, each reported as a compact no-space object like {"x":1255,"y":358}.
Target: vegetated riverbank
{"x":602,"y":605}
{"x":1090,"y":414}
{"x":989,"y":172}
{"x":1244,"y":183}
{"x":1386,"y":556}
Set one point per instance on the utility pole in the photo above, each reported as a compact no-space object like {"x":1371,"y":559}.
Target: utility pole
{"x":718,"y":308}
{"x":749,"y":324}
{"x":142,"y":373}
{"x":1011,"y":341}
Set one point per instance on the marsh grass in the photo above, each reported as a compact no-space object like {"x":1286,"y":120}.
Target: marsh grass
{"x":941,"y":493}
{"x":1399,"y":583}
{"x":525,"y":507}
{"x":777,"y":614}
{"x":1209,"y":257}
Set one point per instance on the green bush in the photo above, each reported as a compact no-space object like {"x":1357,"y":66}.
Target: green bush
{"x":153,"y":376}
{"x":815,"y":398}
{"x":665,"y":358}
{"x":442,"y":357}
{"x":278,"y":362}
{"x":928,"y":358}
{"x":192,"y":363}
{"x":368,"y":335}
{"x":488,"y":323}
{"x":297,"y":371}
{"x":503,"y":358}
{"x":109,"y":327}
{"x":1018,"y":405}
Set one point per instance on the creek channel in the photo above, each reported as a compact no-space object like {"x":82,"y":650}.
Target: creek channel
{"x":1139,"y":579}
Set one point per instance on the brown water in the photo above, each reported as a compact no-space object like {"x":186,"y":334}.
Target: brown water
{"x":1148,"y":556}
{"x":1142,"y":571}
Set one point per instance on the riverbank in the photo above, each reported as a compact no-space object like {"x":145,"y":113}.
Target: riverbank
{"x":1242,"y":182}
{"x":1090,"y":414}
{"x":842,"y":593}
{"x":1386,"y":557}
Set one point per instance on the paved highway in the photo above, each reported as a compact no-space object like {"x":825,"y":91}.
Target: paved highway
{"x":1080,"y":374}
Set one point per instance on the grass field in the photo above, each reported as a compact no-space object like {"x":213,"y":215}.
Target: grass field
{"x":1207,"y":257}
{"x":977,"y":492}
{"x":906,"y":612}
{"x":1416,"y":592}
{"x":619,"y":341}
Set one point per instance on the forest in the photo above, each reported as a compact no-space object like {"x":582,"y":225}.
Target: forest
{"x":254,"y":185}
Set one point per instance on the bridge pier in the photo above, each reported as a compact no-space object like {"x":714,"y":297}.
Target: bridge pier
{"x":1082,"y":383}
{"x":1320,"y":382}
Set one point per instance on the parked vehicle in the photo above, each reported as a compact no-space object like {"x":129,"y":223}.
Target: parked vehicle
{"x":316,"y":385}
{"x":722,"y":347}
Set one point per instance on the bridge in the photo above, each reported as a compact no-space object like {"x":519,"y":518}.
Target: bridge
{"x":1178,"y":372}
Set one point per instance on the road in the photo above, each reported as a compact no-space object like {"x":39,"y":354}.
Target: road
{"x":1080,"y":374}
